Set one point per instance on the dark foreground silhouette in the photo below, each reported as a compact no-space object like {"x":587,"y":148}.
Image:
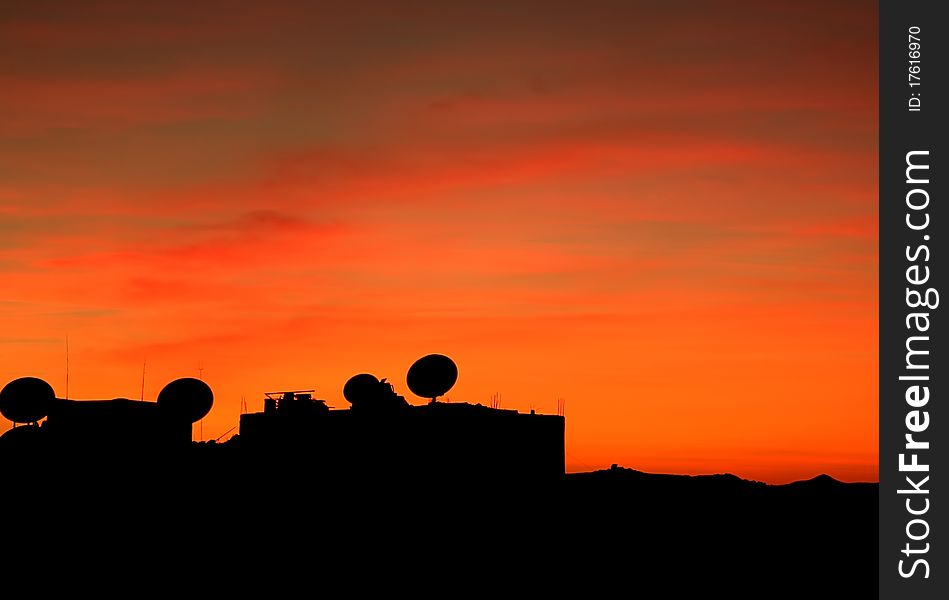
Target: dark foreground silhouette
{"x":390,"y":499}
{"x":615,"y":532}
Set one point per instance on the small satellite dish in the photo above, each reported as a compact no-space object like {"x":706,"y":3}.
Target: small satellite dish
{"x":361,"y":389}
{"x":26,"y":399}
{"x":186,"y":400}
{"x":432,"y":376}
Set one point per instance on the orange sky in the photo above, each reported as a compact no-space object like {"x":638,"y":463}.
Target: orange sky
{"x":663,"y":212}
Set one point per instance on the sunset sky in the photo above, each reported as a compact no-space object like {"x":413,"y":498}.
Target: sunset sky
{"x":663,"y":212}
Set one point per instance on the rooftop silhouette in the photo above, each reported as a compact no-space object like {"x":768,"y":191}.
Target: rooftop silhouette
{"x":380,"y":432}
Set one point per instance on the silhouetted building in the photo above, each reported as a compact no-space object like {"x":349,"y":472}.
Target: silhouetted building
{"x":381,"y":434}
{"x":299,"y":437}
{"x":118,"y":425}
{"x":453,"y":439}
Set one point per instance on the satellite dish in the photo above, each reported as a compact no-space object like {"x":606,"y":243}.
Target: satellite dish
{"x":432,"y":376}
{"x":186,"y":400}
{"x":26,"y":399}
{"x":361,"y":389}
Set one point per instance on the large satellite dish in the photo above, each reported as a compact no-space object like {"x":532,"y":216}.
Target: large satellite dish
{"x":26,"y":399}
{"x":432,"y":376}
{"x":187,"y":400}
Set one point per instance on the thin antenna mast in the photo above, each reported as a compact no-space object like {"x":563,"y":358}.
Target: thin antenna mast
{"x":67,"y":366}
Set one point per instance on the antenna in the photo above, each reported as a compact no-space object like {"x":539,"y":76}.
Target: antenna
{"x":496,"y":400}
{"x":142,"y":398}
{"x":67,"y":366}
